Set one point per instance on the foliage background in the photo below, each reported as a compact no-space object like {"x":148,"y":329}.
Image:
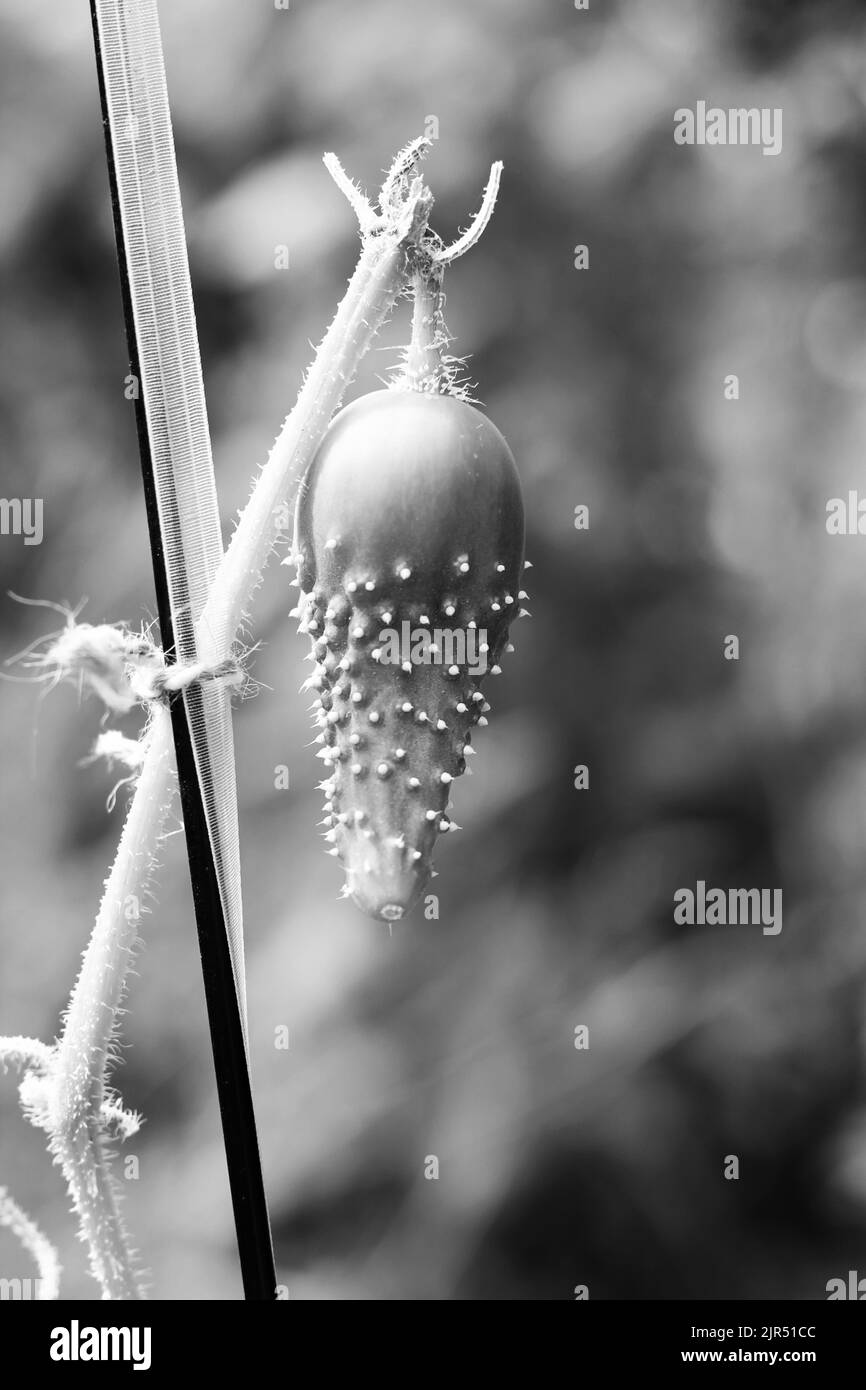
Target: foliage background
{"x":455,"y":1038}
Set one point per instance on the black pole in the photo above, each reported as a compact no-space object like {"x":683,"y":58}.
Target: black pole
{"x":226,"y":1031}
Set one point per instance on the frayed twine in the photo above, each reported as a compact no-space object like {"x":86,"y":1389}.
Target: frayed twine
{"x":115,"y":747}
{"x":124,"y":668}
{"x":164,"y":681}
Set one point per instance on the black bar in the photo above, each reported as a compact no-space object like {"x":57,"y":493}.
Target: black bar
{"x":209,"y":1341}
{"x":252,"y":1224}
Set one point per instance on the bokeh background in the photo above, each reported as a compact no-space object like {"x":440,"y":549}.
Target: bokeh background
{"x":455,"y":1038}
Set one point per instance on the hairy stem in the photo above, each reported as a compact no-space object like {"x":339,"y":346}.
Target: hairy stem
{"x":424,"y":369}
{"x":373,"y":289}
{"x":78,"y":1078}
{"x":37,"y":1245}
{"x":26,"y":1052}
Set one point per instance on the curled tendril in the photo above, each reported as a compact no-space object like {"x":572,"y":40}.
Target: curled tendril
{"x":406,"y":204}
{"x":405,"y":199}
{"x":445,"y":255}
{"x":394,"y":188}
{"x":368,"y":219}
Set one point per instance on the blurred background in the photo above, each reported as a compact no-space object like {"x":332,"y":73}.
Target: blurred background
{"x":455,"y":1038}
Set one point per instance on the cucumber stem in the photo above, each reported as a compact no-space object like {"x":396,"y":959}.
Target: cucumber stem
{"x":424,"y":368}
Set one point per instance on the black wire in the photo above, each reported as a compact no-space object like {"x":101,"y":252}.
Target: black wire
{"x":227,"y":1040}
